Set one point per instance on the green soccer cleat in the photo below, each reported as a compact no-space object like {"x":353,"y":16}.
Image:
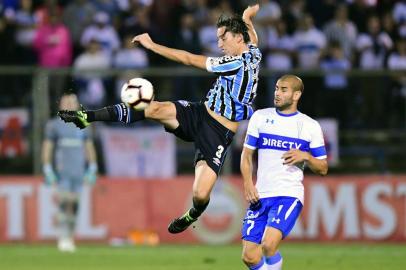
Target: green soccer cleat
{"x":180,"y":224}
{"x":79,"y":118}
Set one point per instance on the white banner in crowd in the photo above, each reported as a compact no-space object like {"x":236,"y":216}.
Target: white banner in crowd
{"x":138,"y":152}
{"x":330,"y":131}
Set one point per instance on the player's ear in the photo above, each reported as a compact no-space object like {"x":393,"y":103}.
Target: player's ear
{"x":297,"y":95}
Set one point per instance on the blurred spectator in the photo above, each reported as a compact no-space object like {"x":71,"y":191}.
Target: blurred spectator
{"x":42,"y":13}
{"x":103,"y":32}
{"x":53,"y":43}
{"x":389,"y":26}
{"x":137,"y":22}
{"x":341,"y":30}
{"x":7,"y":41}
{"x":186,"y":38}
{"x":208,"y":35}
{"x":199,"y":9}
{"x":292,"y":13}
{"x":335,"y":64}
{"x":110,"y":7}
{"x":87,"y":69}
{"x":397,"y":59}
{"x":25,"y":22}
{"x":373,"y":45}
{"x":399,"y":15}
{"x":399,"y":11}
{"x":76,"y":16}
{"x":359,"y":12}
{"x":397,"y":99}
{"x":129,"y":57}
{"x":280,"y":46}
{"x":267,"y":16}
{"x":309,"y":42}
{"x":54,"y":48}
{"x":322,"y":11}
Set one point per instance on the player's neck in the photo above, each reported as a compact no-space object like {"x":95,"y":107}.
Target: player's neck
{"x":287,"y":111}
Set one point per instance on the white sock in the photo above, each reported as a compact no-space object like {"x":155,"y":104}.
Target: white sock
{"x":260,"y":266}
{"x":274,"y":262}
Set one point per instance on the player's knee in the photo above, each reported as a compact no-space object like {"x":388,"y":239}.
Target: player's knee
{"x":160,"y":110}
{"x":201,"y":195}
{"x":250,"y":258}
{"x":269,"y":247}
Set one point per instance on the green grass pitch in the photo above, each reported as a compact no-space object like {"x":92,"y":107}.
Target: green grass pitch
{"x":178,"y":257}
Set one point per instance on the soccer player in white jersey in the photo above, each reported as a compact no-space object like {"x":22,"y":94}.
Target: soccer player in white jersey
{"x":286,"y":140}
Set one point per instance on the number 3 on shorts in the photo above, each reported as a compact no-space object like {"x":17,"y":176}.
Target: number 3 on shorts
{"x":220,"y":150}
{"x":251,"y":223}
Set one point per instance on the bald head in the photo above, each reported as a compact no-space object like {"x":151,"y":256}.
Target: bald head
{"x":294,"y":81}
{"x":69,"y":102}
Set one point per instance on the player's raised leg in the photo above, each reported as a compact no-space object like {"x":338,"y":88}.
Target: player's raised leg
{"x":205,"y":178}
{"x":162,"y":112}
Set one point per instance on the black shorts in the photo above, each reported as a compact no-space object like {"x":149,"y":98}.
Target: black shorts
{"x":211,"y":138}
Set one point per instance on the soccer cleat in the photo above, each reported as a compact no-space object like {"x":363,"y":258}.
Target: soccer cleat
{"x":180,"y":224}
{"x":79,"y":118}
{"x":66,"y":244}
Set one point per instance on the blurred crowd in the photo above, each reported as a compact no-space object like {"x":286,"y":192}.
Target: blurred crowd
{"x":332,"y":35}
{"x":368,"y":34}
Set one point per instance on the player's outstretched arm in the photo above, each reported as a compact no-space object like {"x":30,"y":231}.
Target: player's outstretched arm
{"x":246,"y":167}
{"x":176,"y":55}
{"x":247,"y":16}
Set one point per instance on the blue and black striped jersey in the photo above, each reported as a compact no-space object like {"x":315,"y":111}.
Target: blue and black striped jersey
{"x":235,"y":89}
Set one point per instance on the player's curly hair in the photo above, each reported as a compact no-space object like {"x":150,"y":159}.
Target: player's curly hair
{"x":234,"y":24}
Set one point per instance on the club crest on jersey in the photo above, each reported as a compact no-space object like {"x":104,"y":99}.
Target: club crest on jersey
{"x":251,"y":215}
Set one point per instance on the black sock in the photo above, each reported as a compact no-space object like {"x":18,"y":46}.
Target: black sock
{"x":198,"y":208}
{"x":116,"y":113}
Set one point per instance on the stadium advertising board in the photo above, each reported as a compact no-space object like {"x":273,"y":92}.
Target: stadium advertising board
{"x":345,"y":208}
{"x":136,"y":152}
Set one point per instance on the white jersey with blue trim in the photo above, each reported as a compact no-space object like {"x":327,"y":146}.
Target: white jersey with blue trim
{"x":236,"y":87}
{"x":273,"y":134}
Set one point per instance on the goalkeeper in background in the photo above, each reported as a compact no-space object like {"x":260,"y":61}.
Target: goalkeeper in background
{"x":69,"y":161}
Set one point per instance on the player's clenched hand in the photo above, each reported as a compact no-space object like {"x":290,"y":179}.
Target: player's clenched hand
{"x":250,"y":11}
{"x":144,"y":39}
{"x":251,"y":193}
{"x":294,"y":156}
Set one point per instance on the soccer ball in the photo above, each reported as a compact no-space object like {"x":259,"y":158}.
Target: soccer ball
{"x":137,"y":93}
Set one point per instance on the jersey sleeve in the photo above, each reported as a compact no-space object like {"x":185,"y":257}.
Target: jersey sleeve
{"x":224,"y":65}
{"x":252,"y":137}
{"x":50,"y":131}
{"x":317,"y":147}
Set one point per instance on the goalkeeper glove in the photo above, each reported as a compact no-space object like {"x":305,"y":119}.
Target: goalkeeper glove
{"x":90,"y":174}
{"x":50,"y":176}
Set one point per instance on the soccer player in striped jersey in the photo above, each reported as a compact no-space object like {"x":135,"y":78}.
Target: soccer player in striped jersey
{"x":210,"y":124}
{"x":286,"y":140}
